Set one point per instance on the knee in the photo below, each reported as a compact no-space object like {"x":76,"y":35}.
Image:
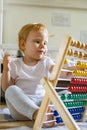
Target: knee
{"x":10,"y":90}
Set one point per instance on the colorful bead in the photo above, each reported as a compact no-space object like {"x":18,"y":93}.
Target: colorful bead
{"x":77,"y":89}
{"x":80,"y":64}
{"x":79,"y":73}
{"x":76,"y":96}
{"x":78,"y":81}
{"x":75,"y":103}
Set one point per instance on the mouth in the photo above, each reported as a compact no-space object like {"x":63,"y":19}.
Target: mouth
{"x":41,"y":51}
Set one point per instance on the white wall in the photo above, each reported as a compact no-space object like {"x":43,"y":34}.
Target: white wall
{"x":61,"y":17}
{"x":1,"y":19}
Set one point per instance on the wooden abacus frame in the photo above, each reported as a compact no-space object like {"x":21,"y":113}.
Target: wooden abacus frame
{"x":51,"y":94}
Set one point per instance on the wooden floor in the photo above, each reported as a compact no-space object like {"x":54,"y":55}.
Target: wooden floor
{"x":3,"y":105}
{"x":28,"y":125}
{"x":12,"y":124}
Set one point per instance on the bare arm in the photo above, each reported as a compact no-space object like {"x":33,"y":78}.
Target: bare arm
{"x":6,"y":79}
{"x":51,"y":69}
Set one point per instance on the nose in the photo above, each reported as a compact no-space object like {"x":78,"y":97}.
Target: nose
{"x":42,"y":45}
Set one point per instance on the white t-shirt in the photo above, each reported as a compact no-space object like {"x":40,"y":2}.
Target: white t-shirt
{"x":28,"y":77}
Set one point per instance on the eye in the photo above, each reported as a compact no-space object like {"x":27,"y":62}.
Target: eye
{"x":45,"y":43}
{"x":38,"y":42}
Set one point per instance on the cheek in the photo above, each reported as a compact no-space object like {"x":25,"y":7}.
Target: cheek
{"x":27,"y":49}
{"x":46,"y":50}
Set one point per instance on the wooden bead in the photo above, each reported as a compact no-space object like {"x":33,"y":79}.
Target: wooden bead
{"x":70,"y":52}
{"x":80,"y":55}
{"x":85,"y":57}
{"x":81,"y":46}
{"x":85,"y":47}
{"x":78,"y":44}
{"x":75,"y":53}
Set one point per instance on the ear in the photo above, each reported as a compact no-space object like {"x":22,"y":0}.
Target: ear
{"x":22,"y":45}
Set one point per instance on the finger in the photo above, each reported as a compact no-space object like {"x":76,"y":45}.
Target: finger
{"x":7,"y":57}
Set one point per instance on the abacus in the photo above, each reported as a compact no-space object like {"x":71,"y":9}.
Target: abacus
{"x":68,"y":108}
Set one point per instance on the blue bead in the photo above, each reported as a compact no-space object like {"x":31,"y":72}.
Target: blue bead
{"x":55,"y":113}
{"x":59,"y":120}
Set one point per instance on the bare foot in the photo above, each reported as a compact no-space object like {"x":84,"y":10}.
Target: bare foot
{"x":48,"y":121}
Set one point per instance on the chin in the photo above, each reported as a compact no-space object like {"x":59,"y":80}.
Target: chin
{"x":40,"y":57}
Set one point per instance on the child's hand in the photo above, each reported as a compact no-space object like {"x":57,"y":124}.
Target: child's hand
{"x":6,"y":62}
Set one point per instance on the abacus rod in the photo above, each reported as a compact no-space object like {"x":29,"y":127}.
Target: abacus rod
{"x":65,"y":70}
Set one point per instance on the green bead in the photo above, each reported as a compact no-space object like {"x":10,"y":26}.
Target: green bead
{"x":63,"y":97}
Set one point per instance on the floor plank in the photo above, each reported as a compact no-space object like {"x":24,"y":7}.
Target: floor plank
{"x":20,"y":125}
{"x":3,"y":105}
{"x":5,"y":125}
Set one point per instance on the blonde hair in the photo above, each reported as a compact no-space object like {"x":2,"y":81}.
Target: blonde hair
{"x":26,"y":29}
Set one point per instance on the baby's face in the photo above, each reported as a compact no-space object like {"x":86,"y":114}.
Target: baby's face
{"x":36,"y":45}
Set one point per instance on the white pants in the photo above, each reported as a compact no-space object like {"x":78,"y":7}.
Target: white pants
{"x":21,"y":106}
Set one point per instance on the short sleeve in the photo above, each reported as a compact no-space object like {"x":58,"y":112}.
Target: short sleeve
{"x":49,"y":63}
